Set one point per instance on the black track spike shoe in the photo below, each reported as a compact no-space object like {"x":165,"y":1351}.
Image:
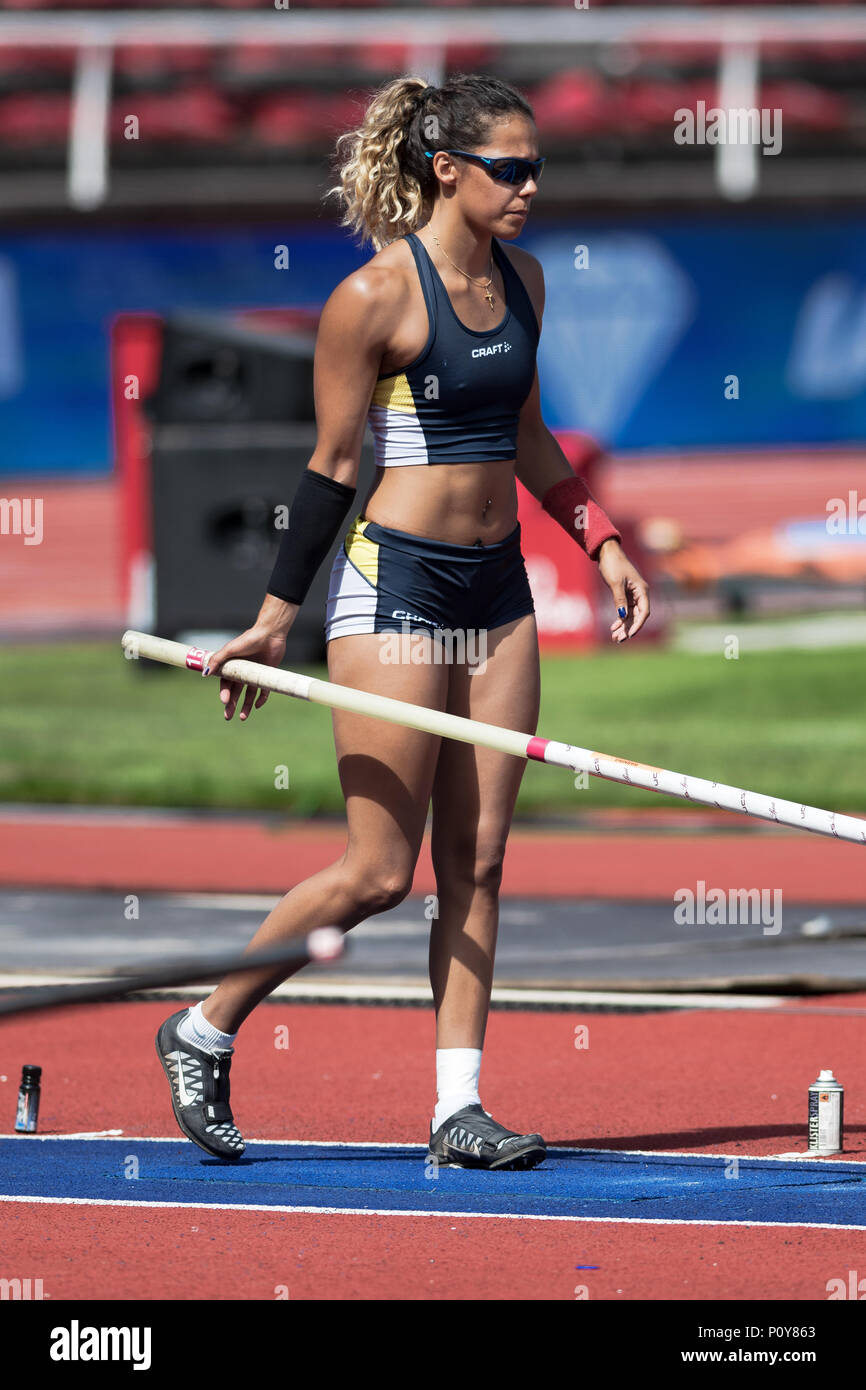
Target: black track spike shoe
{"x":473,"y":1139}
{"x":199,"y":1091}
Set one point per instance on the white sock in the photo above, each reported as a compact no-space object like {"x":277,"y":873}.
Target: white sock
{"x":196,"y":1030}
{"x":457,"y":1072}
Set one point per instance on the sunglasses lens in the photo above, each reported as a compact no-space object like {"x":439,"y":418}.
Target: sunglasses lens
{"x":516,"y":170}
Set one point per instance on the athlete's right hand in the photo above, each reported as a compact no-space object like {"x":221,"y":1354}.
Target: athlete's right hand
{"x":259,"y":643}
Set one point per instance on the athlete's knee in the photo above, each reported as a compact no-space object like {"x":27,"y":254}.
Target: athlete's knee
{"x":488,"y":867}
{"x":379,"y":888}
{"x":477,"y":861}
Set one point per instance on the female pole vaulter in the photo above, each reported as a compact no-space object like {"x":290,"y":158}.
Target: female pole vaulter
{"x":434,"y":342}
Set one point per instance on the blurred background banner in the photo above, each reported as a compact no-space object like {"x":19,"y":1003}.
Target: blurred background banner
{"x":636,"y":346}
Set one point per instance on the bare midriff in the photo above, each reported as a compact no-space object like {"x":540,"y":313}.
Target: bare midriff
{"x":459,"y":503}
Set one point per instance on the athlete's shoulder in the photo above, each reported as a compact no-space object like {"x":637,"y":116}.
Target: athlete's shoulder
{"x":380,"y":285}
{"x":527,"y":266}
{"x":531,"y":272}
{"x":370,"y":302}
{"x":520,"y":258}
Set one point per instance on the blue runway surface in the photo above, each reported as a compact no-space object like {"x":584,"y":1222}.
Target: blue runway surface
{"x":571,"y":1183}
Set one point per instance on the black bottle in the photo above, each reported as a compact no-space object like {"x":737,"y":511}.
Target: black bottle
{"x":28,"y":1100}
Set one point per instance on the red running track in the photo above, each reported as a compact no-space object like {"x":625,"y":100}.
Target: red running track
{"x":133,"y":852}
{"x":704,"y":1082}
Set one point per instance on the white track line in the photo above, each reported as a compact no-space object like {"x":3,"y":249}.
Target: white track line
{"x":450,"y":1215}
{"x":113,"y":1137}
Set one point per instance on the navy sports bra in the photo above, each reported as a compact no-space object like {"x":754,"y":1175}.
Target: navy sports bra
{"x":459,"y":400}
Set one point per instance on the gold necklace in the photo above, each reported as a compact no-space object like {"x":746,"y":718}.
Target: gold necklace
{"x":485,"y":284}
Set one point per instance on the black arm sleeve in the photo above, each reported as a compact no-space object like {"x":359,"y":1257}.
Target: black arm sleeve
{"x":318,"y":510}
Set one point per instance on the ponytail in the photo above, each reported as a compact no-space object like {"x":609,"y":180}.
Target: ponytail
{"x":383,"y":196}
{"x":386,"y":182}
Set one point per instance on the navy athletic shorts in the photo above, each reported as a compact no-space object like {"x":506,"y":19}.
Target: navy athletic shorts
{"x":384,"y":580}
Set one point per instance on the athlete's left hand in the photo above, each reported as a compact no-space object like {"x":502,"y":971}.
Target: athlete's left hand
{"x":630,"y":590}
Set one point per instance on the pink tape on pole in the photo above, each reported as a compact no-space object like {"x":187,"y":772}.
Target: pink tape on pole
{"x":325,"y":943}
{"x":196,"y":658}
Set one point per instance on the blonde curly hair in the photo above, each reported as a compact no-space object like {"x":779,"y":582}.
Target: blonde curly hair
{"x":386,"y":182}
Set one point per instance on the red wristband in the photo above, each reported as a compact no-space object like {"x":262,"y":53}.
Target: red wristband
{"x":591,"y":526}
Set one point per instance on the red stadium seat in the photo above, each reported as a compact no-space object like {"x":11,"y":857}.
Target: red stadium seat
{"x":571,"y":103}
{"x":472,"y":57}
{"x":194,"y":113}
{"x":341,"y":111}
{"x":700,"y":54}
{"x":36,"y":62}
{"x":704,"y":88}
{"x":266,"y":60}
{"x":382,"y":55}
{"x":645,"y":105}
{"x":796,"y":55}
{"x":288,"y":120}
{"x":252,"y":60}
{"x":295,"y":119}
{"x":147,"y":60}
{"x":807,"y":106}
{"x":35,"y":118}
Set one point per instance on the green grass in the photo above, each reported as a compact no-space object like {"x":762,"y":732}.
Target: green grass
{"x":79,"y":724}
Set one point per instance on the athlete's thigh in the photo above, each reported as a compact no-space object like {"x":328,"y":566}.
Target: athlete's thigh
{"x":475,"y":788}
{"x":386,"y":770}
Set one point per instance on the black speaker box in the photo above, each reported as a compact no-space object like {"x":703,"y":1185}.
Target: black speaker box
{"x":214,"y":370}
{"x":215,"y":489}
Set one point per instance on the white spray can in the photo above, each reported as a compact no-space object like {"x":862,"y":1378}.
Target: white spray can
{"x":825,"y":1114}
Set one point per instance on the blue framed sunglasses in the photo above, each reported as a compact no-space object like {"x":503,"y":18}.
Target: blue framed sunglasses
{"x":502,"y":168}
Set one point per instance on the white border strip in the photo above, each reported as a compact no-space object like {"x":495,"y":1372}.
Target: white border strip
{"x":449,"y":1215}
{"x":516,"y":995}
{"x":338,"y":992}
{"x":328,"y":991}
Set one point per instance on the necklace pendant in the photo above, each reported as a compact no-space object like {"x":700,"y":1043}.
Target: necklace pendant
{"x":489,"y":298}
